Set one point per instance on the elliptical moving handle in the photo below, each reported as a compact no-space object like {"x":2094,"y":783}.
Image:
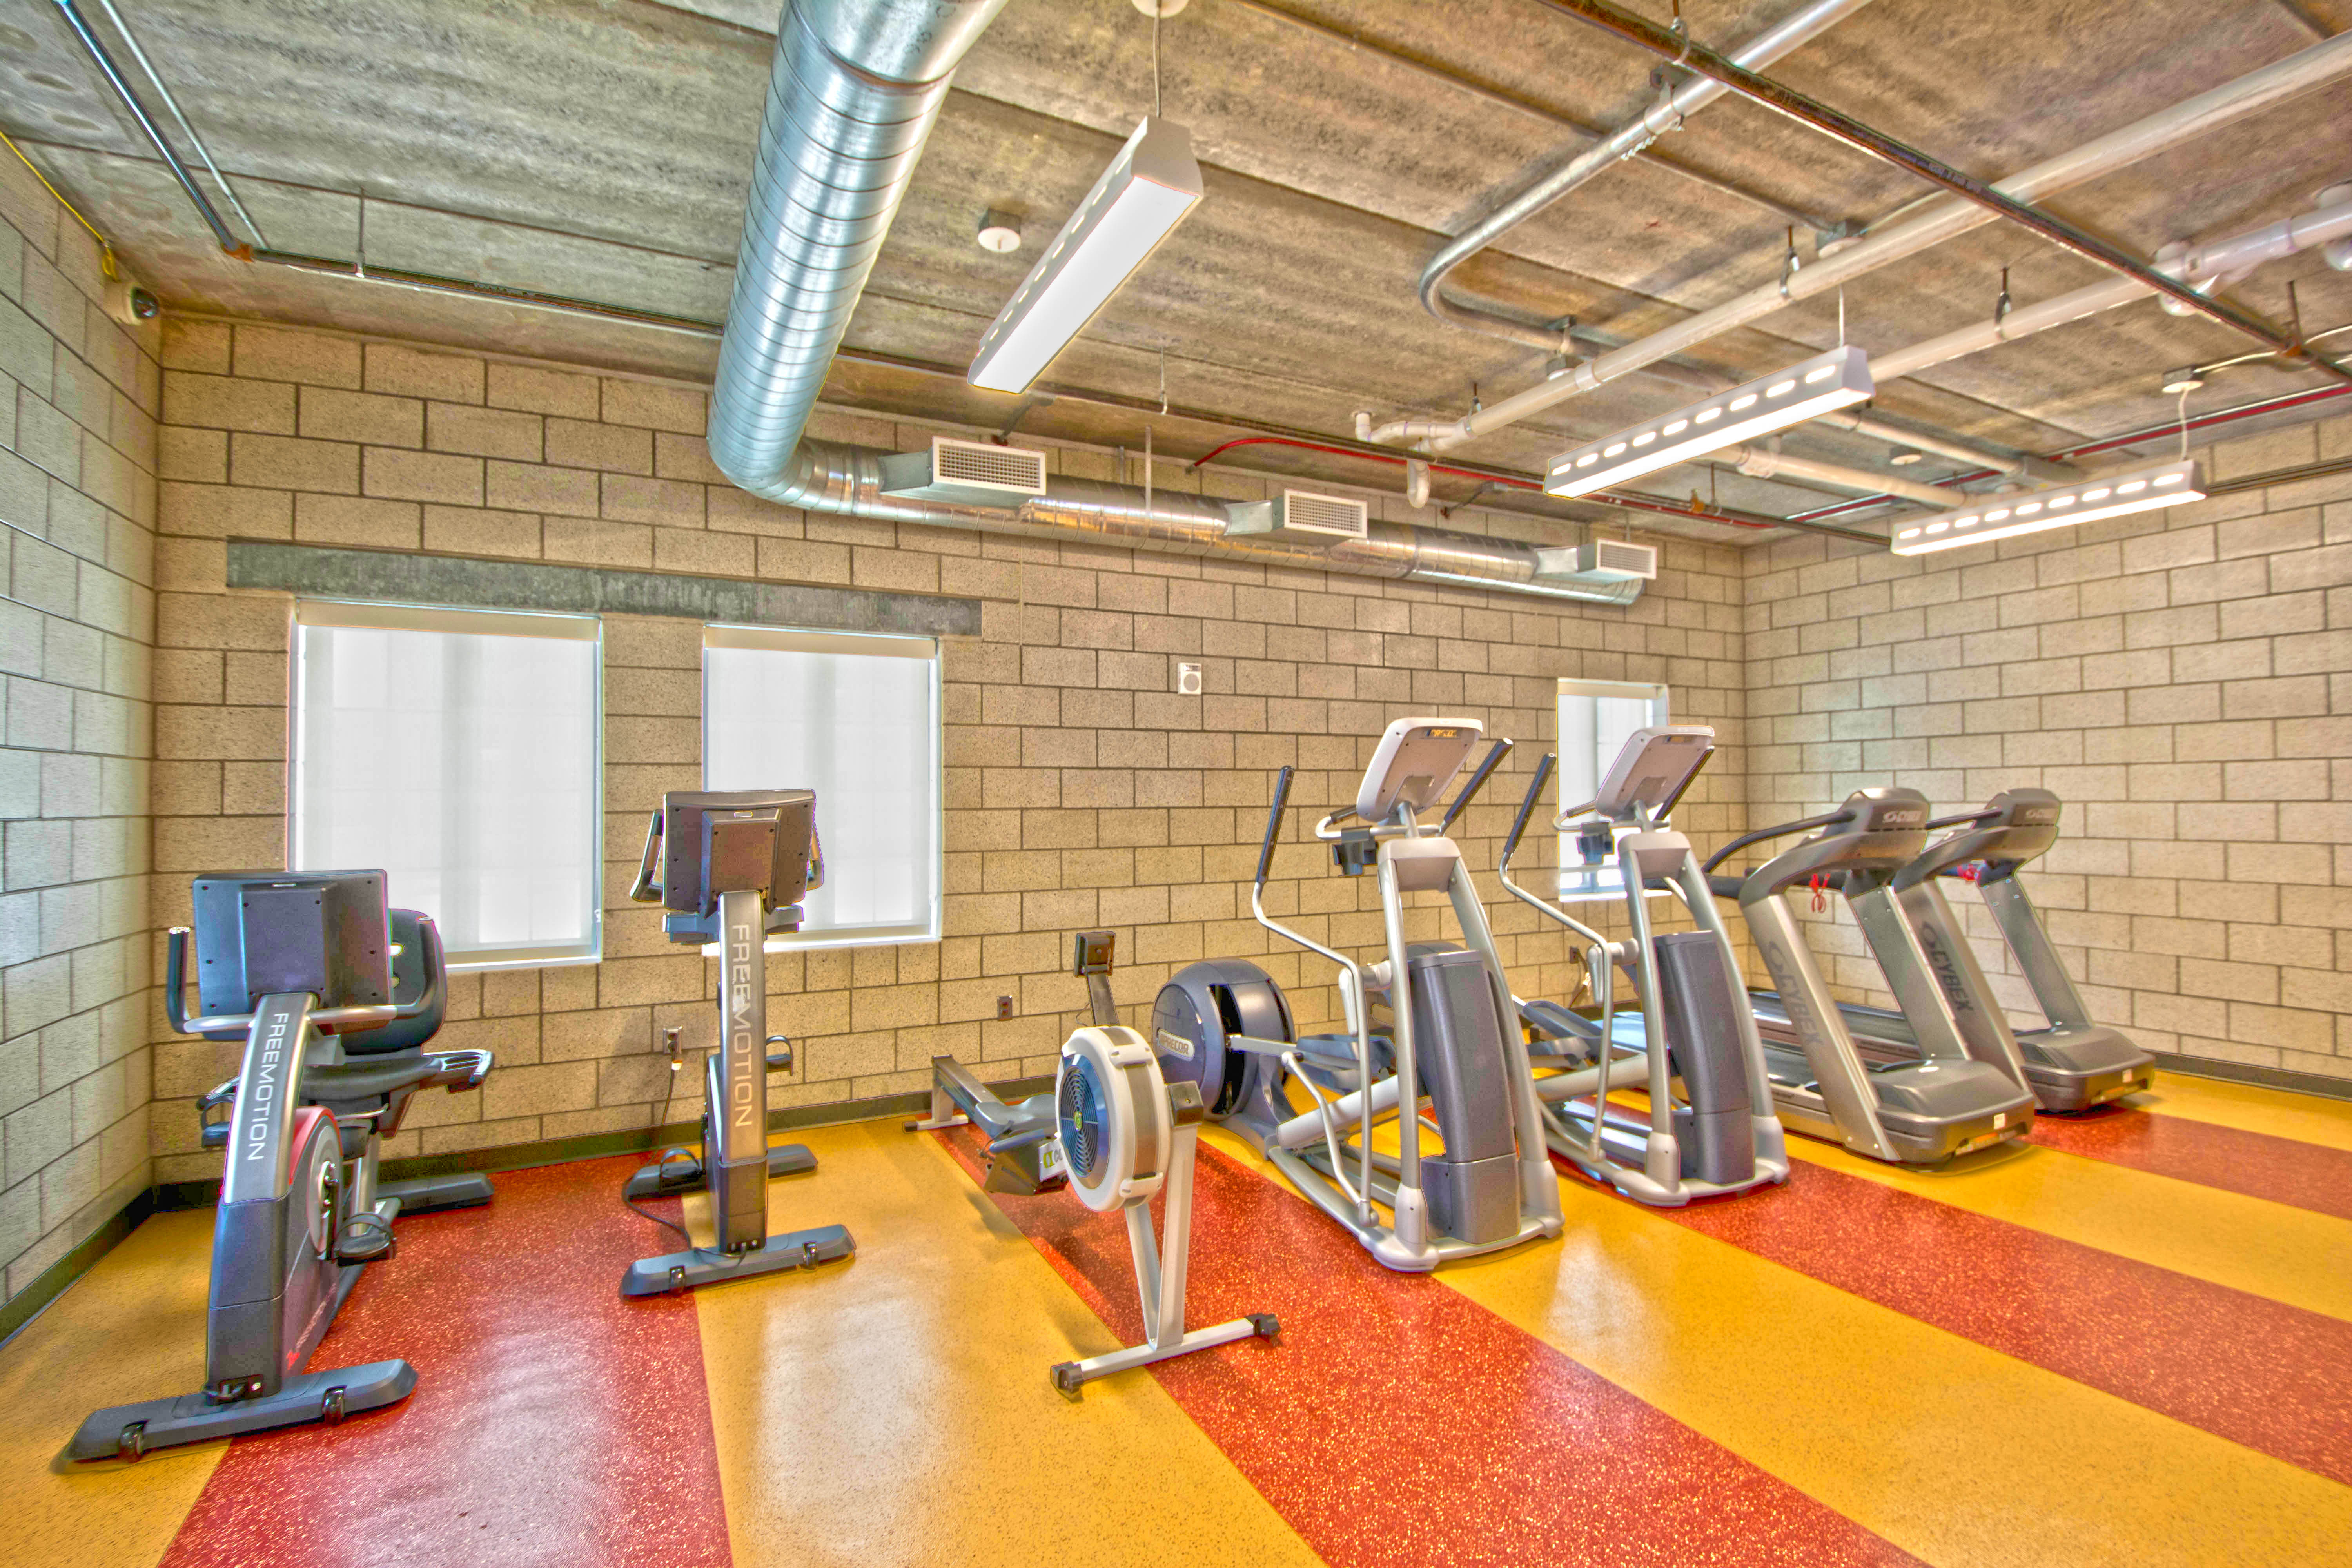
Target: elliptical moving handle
{"x":1273,"y":824}
{"x":1494,"y":753}
{"x":1528,"y":807}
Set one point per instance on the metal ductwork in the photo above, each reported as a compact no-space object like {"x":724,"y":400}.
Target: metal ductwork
{"x":856,"y":88}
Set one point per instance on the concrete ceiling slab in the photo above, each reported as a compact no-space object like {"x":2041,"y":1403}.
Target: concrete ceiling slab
{"x":601,"y":148}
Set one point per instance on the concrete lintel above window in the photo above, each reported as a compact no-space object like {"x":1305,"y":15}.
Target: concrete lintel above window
{"x":411,"y":578}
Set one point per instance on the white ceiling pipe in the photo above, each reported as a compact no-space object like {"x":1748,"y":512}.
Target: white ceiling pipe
{"x":1933,"y":222}
{"x":1661,"y":116}
{"x":1763,"y":463}
{"x":2221,"y":261}
{"x":1940,"y":445}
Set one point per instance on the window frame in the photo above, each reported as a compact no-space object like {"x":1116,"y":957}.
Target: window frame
{"x":1578,"y":880}
{"x":376,"y":615}
{"x":726,"y":635}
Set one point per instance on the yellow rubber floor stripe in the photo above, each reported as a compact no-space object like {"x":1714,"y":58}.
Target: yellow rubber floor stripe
{"x":130,"y":1328}
{"x":1959,"y":1454}
{"x":895,"y":1409}
{"x":2287,"y":1254}
{"x":2250,"y":1108}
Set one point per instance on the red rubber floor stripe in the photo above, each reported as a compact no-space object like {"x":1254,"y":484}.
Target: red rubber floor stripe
{"x":1398,"y":1424}
{"x":552,"y":1422}
{"x":2257,"y":1164}
{"x":2274,"y":1377}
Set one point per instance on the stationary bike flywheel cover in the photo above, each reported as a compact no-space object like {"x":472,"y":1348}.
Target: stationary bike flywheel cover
{"x":1110,"y":1107}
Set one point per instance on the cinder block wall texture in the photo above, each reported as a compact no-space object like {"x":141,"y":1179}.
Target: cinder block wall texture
{"x":2183,"y":678}
{"x":1081,"y":790}
{"x":79,"y":398}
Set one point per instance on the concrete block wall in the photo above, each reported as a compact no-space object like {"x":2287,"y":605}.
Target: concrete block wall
{"x":80,"y":401}
{"x":2182,"y":679}
{"x":1081,"y":790}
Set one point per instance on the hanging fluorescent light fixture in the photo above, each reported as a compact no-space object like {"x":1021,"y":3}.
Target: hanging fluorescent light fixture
{"x":2006,"y":517}
{"x":1838,"y":379}
{"x":1140,"y":200}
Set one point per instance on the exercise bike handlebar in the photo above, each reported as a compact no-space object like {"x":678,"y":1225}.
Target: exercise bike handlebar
{"x":359,"y":1016}
{"x":1495,"y":754}
{"x":648,"y":887}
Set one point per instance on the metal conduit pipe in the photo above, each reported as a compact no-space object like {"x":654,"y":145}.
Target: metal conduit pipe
{"x":856,"y":88}
{"x":1763,"y":463}
{"x":1665,"y":115}
{"x":1933,"y":222}
{"x":2221,"y":261}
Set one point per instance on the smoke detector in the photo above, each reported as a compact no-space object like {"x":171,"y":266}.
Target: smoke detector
{"x":1161,"y":8}
{"x":999,"y":232}
{"x":1904,"y":460}
{"x":2188,"y":378}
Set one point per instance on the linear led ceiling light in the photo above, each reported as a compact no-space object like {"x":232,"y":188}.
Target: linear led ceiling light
{"x":1137,"y":203}
{"x":2006,"y":517}
{"x":1837,"y":379}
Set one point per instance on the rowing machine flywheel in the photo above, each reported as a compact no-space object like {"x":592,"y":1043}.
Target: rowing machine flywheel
{"x":1111,"y":1106}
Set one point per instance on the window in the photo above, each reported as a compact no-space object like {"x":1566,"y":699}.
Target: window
{"x":856,"y":719}
{"x":459,"y":751}
{"x":1595,"y":717}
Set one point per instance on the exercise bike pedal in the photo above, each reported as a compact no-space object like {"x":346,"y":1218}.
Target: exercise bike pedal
{"x":366,"y":1239}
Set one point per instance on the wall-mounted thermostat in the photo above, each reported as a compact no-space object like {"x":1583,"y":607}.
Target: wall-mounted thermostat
{"x":1187,"y":681}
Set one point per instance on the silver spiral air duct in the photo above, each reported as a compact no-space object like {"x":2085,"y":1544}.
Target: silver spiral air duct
{"x":856,"y":88}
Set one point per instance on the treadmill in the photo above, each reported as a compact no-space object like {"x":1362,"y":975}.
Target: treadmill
{"x":1921,"y":1108}
{"x":2071,"y":1065}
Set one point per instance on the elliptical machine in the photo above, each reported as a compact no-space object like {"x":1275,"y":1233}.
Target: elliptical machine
{"x":291,"y":963}
{"x":734,"y":865}
{"x":1226,"y":1027}
{"x":1720,"y":1136}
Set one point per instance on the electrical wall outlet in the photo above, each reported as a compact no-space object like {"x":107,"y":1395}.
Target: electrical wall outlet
{"x":1187,"y":681}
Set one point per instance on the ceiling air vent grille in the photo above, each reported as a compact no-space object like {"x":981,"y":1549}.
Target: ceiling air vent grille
{"x":966,"y":473}
{"x":1301,"y":517}
{"x":1624,"y":558}
{"x":999,"y":468}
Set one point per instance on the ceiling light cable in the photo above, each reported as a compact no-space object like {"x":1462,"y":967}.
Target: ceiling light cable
{"x":1155,"y":60}
{"x":105,"y":247}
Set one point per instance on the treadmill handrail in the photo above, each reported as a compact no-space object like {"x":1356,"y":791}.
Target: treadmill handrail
{"x":1779,"y":830}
